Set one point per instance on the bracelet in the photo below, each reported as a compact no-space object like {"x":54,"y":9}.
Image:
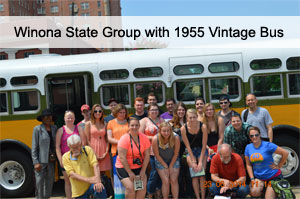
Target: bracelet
{"x":252,"y":179}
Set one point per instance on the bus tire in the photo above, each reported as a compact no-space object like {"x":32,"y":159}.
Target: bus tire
{"x":290,"y":170}
{"x":16,"y":174}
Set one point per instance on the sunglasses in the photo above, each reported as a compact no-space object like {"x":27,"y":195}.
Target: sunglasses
{"x":99,"y":111}
{"x":223,"y":102}
{"x":255,"y":135}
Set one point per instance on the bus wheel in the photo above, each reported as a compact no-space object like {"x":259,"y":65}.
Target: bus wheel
{"x":290,"y":170}
{"x":16,"y":174}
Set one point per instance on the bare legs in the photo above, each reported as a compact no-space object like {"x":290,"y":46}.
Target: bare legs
{"x":195,"y":182}
{"x":169,"y":176}
{"x":68,"y":190}
{"x":130,"y":193}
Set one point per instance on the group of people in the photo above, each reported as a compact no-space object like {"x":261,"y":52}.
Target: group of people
{"x":203,"y":148}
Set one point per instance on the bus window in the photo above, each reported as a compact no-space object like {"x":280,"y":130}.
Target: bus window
{"x":294,"y":84}
{"x":263,"y":86}
{"x":189,"y":90}
{"x":114,"y":74}
{"x":260,"y":64}
{"x":293,"y":63}
{"x":148,"y":72}
{"x":228,"y":86}
{"x":25,"y":80}
{"x":119,"y":92}
{"x":2,"y":82}
{"x":190,"y":69}
{"x":143,"y":89}
{"x":25,"y":101}
{"x":3,"y":103}
{"x":223,"y":67}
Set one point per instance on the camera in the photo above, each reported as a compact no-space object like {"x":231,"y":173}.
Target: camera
{"x":137,"y":161}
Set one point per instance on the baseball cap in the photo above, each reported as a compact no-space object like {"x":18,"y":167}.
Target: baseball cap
{"x":85,"y":107}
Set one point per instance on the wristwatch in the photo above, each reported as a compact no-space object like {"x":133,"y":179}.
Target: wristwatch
{"x":252,"y":179}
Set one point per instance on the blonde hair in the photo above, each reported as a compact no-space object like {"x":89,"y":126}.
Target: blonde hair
{"x":191,"y":111}
{"x":215,"y":117}
{"x":171,"y":141}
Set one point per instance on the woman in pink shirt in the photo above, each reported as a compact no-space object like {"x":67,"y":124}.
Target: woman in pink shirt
{"x":62,"y":147}
{"x":95,"y":131}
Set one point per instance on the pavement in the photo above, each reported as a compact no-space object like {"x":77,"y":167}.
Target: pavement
{"x":58,"y":190}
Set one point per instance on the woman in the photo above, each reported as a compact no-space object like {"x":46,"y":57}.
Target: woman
{"x":215,"y":128}
{"x":133,"y":159}
{"x":194,"y":135}
{"x":166,"y":149}
{"x":260,"y":164}
{"x":179,"y":119}
{"x":199,"y":104}
{"x":115,"y":129}
{"x":43,"y":154}
{"x":95,"y":131}
{"x":150,"y":126}
{"x":62,"y":147}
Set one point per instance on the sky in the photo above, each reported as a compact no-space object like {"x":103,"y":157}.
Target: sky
{"x":210,"y":7}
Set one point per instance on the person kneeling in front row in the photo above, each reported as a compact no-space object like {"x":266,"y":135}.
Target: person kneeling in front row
{"x":83,"y":170}
{"x":228,"y":173}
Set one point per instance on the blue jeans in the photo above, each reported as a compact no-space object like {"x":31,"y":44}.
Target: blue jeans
{"x":92,"y":192}
{"x":154,"y":181}
{"x":242,"y":191}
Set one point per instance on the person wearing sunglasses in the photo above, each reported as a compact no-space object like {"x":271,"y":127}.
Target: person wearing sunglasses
{"x":226,"y":113}
{"x":260,"y":164}
{"x":95,"y":131}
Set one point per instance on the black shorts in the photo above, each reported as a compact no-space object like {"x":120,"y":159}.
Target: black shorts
{"x":122,"y":173}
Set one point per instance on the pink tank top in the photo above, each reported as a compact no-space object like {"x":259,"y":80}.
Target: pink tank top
{"x":63,"y":142}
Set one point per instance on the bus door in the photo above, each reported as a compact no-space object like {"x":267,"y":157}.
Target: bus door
{"x":68,"y":92}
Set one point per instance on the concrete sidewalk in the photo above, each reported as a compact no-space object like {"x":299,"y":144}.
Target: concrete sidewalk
{"x":58,"y":190}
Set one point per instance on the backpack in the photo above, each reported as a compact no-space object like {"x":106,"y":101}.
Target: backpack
{"x":282,"y":189}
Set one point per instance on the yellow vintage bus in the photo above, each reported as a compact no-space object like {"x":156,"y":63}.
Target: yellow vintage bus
{"x":66,"y":82}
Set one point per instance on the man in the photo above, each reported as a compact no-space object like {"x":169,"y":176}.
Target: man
{"x":228,"y":173}
{"x":259,"y":117}
{"x":236,"y":135}
{"x":111,"y":103}
{"x":152,"y":100}
{"x":170,"y":104}
{"x":86,"y":113}
{"x":139,"y":106}
{"x":225,"y":111}
{"x":83,"y":170}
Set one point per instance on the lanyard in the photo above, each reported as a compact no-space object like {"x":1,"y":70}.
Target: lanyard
{"x":137,"y":146}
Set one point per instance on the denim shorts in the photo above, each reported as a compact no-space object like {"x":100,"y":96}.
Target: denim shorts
{"x":161,"y":167}
{"x":196,"y":152}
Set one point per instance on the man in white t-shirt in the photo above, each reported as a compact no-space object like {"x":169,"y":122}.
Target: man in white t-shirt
{"x":259,"y":117}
